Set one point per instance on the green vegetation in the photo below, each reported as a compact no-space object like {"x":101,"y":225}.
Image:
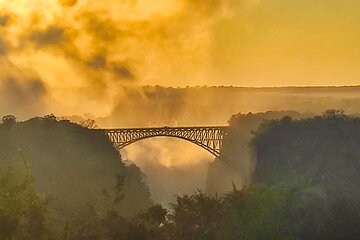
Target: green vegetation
{"x":255,"y":212}
{"x":305,"y":187}
{"x":23,"y":213}
{"x":71,"y":164}
{"x":324,"y":149}
{"x":237,"y":167}
{"x":317,"y":158}
{"x":323,"y":152}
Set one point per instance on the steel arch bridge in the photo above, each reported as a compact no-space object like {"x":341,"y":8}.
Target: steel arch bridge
{"x":209,"y":138}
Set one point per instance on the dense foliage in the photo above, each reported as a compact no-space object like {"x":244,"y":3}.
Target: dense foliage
{"x":256,"y":212}
{"x":70,"y":163}
{"x":235,"y":165}
{"x":324,"y":151}
{"x":305,"y":187}
{"x":23,"y":213}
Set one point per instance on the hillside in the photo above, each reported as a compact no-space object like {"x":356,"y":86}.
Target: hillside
{"x":324,"y":150}
{"x":236,"y":166}
{"x":71,"y":164}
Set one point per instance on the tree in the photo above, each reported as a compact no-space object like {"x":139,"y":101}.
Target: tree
{"x":8,"y":120}
{"x":195,"y":217}
{"x":155,"y":223}
{"x":95,"y":225}
{"x":333,"y":113}
{"x":23,"y":213}
{"x":255,"y":212}
{"x":50,"y":118}
{"x":89,"y":123}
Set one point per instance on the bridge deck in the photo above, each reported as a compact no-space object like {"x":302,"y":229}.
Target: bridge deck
{"x":170,"y":128}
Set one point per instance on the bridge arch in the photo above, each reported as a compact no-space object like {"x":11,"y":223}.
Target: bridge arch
{"x":208,"y":138}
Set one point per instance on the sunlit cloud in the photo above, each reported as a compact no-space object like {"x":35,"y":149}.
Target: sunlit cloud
{"x":85,"y":51}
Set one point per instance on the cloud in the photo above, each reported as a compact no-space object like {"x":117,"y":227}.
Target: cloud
{"x":23,"y":91}
{"x":89,"y":53}
{"x":68,"y":3}
{"x":4,"y":20}
{"x":123,"y":72}
{"x":97,"y":62}
{"x":4,"y":47}
{"x":100,"y":26}
{"x":53,"y":35}
{"x":21,"y":95}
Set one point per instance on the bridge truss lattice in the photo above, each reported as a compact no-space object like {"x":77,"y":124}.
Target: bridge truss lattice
{"x":209,"y":138}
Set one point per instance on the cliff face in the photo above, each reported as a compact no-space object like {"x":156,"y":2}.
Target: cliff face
{"x":72,"y":164}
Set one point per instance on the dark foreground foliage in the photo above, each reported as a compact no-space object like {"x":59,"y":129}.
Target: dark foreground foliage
{"x":256,"y":212}
{"x":23,"y":213}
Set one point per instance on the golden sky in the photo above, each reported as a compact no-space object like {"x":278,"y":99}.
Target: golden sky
{"x":83,"y":51}
{"x":290,"y":42}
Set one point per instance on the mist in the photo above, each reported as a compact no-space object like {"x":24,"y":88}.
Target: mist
{"x":84,"y":52}
{"x":171,"y":166}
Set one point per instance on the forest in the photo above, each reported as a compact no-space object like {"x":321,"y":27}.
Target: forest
{"x":63,"y":181}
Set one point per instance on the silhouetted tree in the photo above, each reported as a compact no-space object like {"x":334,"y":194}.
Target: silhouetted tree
{"x":89,"y":123}
{"x":333,"y":113}
{"x":8,"y":120}
{"x":23,"y":213}
{"x":50,"y":117}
